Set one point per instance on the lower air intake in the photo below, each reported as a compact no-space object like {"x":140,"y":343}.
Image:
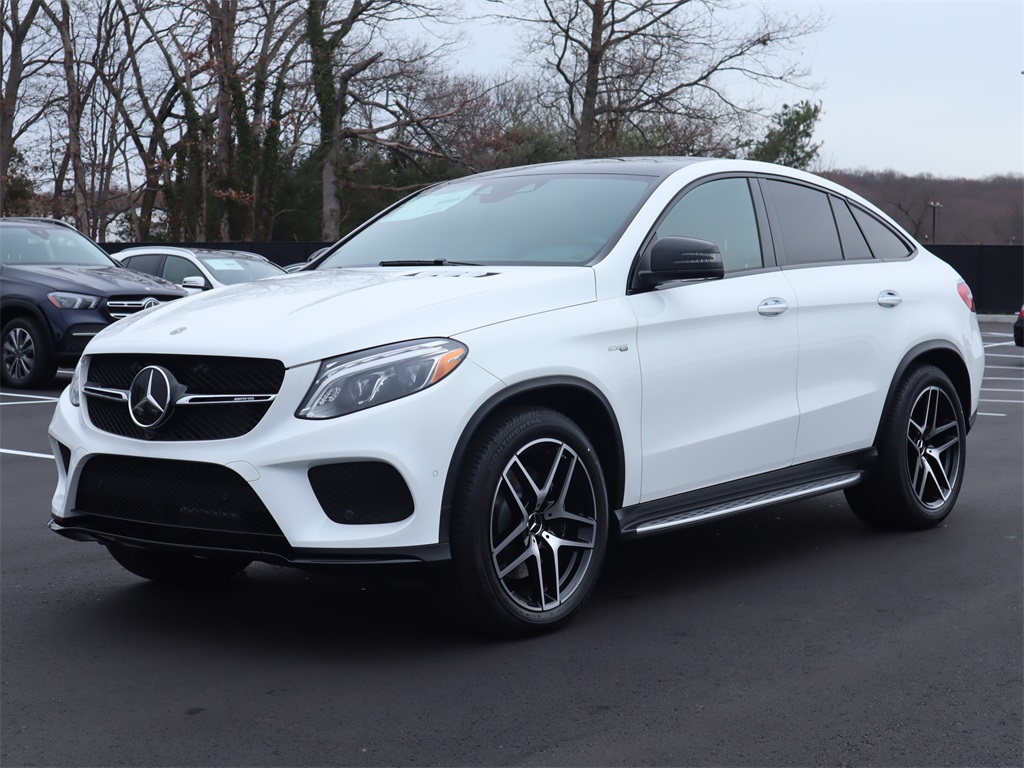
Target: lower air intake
{"x":361,"y":492}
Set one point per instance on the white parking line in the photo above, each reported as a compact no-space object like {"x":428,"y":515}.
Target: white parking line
{"x":1003,"y":367}
{"x":992,"y":389}
{"x":998,"y":344}
{"x":27,"y":453}
{"x":981,"y":413}
{"x":1015,"y":402}
{"x":996,"y":333}
{"x":43,"y":398}
{"x":31,"y":402}
{"x":1004,"y":378}
{"x":1014,"y":357}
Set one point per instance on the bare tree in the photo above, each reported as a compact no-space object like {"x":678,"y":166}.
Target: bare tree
{"x":78,"y":89}
{"x":27,"y":53}
{"x":367,"y":93}
{"x":624,"y":66}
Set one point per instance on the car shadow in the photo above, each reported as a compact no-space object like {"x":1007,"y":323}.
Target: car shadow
{"x":270,"y":611}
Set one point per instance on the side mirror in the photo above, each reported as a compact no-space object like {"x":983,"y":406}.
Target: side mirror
{"x":196,"y":282}
{"x":682,"y":258}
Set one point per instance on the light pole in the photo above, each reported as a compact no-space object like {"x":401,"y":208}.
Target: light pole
{"x":935,"y":207}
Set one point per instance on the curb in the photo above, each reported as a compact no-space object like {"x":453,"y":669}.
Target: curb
{"x":997,"y":318}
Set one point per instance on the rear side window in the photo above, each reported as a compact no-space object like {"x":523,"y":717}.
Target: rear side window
{"x":885,"y":243}
{"x":721,"y":211}
{"x":854,"y":245}
{"x":809,"y":232}
{"x":149,"y":263}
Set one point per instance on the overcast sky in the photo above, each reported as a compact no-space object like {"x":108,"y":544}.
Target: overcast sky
{"x":929,"y":86}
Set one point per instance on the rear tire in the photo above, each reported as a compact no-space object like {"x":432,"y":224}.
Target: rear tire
{"x":922,"y":454}
{"x":530,"y":523}
{"x":26,"y":356}
{"x":176,"y":567}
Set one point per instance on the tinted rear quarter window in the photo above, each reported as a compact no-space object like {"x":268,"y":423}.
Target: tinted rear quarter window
{"x":885,"y":243}
{"x":808,"y":228}
{"x":855,"y":247}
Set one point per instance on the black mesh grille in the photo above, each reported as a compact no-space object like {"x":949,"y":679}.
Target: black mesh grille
{"x":200,"y":376}
{"x":183,"y":494}
{"x":361,"y":493}
{"x":198,"y":422}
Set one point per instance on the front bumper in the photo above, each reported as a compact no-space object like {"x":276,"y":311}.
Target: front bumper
{"x":416,"y":436}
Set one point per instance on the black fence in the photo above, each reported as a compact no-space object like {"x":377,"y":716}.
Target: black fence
{"x":994,"y":272}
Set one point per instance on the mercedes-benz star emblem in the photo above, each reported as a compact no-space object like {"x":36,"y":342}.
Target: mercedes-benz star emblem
{"x":150,"y":303}
{"x":151,"y":396}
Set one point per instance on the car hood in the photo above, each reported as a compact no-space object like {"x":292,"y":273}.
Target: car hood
{"x":309,"y":316}
{"x":100,"y":281}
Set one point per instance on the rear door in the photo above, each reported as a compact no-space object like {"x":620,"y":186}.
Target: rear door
{"x":853,"y":320}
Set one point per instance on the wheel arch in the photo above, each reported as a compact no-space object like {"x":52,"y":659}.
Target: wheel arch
{"x":577,"y":399}
{"x":12,"y":309}
{"x":944,"y":356}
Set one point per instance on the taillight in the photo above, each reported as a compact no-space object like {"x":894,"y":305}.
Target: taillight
{"x":965,"y":293}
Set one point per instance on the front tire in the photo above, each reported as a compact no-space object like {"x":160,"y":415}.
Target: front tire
{"x":26,"y":359}
{"x":530,"y":523}
{"x":922,"y":454}
{"x":176,"y":568}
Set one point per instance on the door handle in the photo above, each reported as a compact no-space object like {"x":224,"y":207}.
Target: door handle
{"x":889,"y":299}
{"x":772,"y":307}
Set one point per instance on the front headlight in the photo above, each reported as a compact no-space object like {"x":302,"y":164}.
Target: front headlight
{"x":78,"y":380}
{"x":65,"y":300}
{"x":364,"y":379}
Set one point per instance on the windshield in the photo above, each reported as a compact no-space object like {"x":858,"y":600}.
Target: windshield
{"x":527,"y":219}
{"x":233,"y":269}
{"x":49,"y":244}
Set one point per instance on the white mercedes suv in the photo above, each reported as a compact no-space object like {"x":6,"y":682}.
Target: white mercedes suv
{"x":507,"y":371}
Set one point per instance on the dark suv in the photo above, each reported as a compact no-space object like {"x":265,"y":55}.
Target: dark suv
{"x":58,"y":289}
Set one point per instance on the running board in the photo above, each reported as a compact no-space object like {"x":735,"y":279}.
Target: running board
{"x":694,"y":512}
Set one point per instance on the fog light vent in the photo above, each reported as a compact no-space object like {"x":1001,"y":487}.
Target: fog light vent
{"x":361,"y":492}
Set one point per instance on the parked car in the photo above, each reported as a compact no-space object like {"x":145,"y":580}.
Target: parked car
{"x":198,"y":269}
{"x":1018,"y":329}
{"x":299,"y":266}
{"x":58,"y":289}
{"x":507,"y":371}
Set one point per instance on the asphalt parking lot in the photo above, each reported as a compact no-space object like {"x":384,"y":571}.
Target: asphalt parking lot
{"x":787,"y":637}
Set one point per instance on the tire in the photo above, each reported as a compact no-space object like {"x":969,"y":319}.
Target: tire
{"x":529,"y":524}
{"x":26,"y":355}
{"x":175,"y":567}
{"x":922,"y":453}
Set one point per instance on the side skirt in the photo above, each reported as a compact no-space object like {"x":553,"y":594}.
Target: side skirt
{"x":784,"y":485}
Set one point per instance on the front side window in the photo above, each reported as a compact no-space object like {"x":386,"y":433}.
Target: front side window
{"x":524,"y":219}
{"x":722,"y":212}
{"x":808,"y":228}
{"x":176,"y":269}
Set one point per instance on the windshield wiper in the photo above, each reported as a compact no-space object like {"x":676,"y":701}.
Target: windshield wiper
{"x":427,"y":263}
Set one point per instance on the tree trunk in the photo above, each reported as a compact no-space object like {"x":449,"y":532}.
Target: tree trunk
{"x":588,"y":107}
